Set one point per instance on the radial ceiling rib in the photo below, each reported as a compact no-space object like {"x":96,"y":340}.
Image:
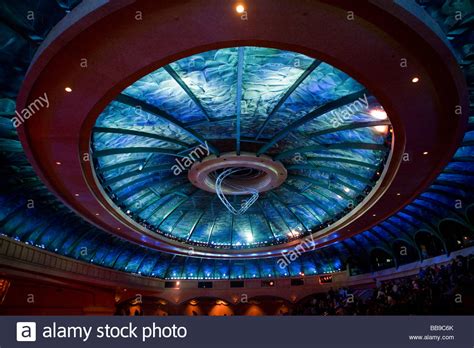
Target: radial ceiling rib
{"x":336,"y":146}
{"x":186,"y":89}
{"x":160,"y":196}
{"x":165,"y":274}
{"x":176,"y":206}
{"x":238,"y":109}
{"x":134,"y":102}
{"x":120,"y":188}
{"x":140,"y":134}
{"x":167,"y":195}
{"x":119,"y":151}
{"x":211,"y":122}
{"x":290,"y":90}
{"x":178,"y":220}
{"x":321,"y":185}
{"x":126,"y":175}
{"x":121,"y":164}
{"x":201,"y":214}
{"x":270,"y":202}
{"x":278,"y":198}
{"x":211,"y":230}
{"x":350,"y":127}
{"x":308,"y":197}
{"x":325,"y":169}
{"x":341,"y":160}
{"x":310,"y":116}
{"x":200,"y":218}
{"x":267,"y":220}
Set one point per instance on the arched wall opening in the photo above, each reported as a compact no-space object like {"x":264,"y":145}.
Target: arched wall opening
{"x":429,"y":244}
{"x":381,"y":259}
{"x":456,"y":234}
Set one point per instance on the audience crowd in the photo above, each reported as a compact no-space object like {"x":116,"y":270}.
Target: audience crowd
{"x":445,"y":289}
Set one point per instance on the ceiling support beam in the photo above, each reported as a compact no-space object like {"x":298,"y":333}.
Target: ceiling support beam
{"x":328,"y":147}
{"x":350,"y":127}
{"x":290,"y":90}
{"x":123,"y":150}
{"x":159,"y":168}
{"x":308,"y":197}
{"x":159,"y":196}
{"x":122,"y":197}
{"x":176,"y":206}
{"x":267,"y":221}
{"x":320,"y":184}
{"x":279,"y":199}
{"x":134,"y":102}
{"x":311,"y":116}
{"x":337,"y":171}
{"x":140,"y":134}
{"x":341,"y":160}
{"x":187,"y":90}
{"x":240,"y":71}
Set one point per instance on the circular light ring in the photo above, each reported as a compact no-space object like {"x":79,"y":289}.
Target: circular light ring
{"x":388,"y":31}
{"x":274,"y":173}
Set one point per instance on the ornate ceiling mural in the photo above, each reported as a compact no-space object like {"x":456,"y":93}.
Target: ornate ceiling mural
{"x":330,"y":135}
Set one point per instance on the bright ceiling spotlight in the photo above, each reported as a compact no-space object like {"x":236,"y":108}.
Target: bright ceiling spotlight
{"x":415,"y":79}
{"x":381,"y":129}
{"x":240,"y":8}
{"x":68,"y":89}
{"x":425,"y":153}
{"x":346,"y":189}
{"x":379,"y":114}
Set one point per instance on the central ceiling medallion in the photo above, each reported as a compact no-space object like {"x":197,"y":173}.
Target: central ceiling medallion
{"x":258,"y":174}
{"x":236,"y":175}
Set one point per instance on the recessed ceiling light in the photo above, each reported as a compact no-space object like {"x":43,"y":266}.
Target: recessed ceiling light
{"x":425,"y":153}
{"x":240,"y":8}
{"x":379,"y":114}
{"x":415,"y":79}
{"x":76,"y":194}
{"x":58,"y":163}
{"x":346,"y":189}
{"x":381,"y":129}
{"x":97,"y":214}
{"x":374,"y":214}
{"x":68,"y":89}
{"x":398,"y":193}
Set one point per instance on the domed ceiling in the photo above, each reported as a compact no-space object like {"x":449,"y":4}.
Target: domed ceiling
{"x":203,"y":89}
{"x":328,"y":132}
